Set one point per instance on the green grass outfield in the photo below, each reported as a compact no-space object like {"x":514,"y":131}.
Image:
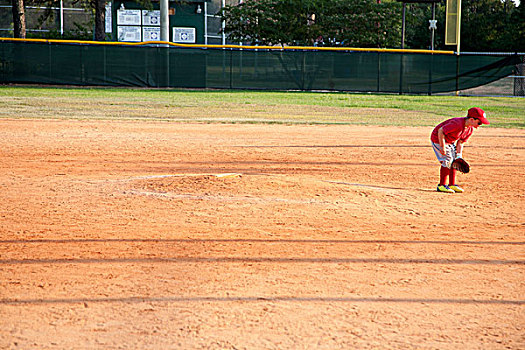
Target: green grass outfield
{"x":226,"y":106}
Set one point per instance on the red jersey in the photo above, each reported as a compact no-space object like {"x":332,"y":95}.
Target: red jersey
{"x":454,"y":129}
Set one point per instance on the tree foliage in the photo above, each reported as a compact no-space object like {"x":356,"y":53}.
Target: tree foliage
{"x":487,"y":25}
{"x":314,"y":22}
{"x":517,"y":19}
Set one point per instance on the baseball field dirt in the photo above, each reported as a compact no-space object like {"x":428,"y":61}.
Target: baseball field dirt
{"x":159,"y":235}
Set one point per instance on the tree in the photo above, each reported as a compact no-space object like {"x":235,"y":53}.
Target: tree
{"x":518,"y":27}
{"x":362,"y":23}
{"x":490,"y":25}
{"x":486,"y":25}
{"x":100,"y":19}
{"x":481,"y":24}
{"x":417,"y":32}
{"x":19,"y":18}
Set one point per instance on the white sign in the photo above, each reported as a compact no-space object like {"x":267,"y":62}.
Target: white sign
{"x":150,"y":18}
{"x":151,"y":33}
{"x":109,"y":21}
{"x":433,"y":24}
{"x":129,"y":33}
{"x":129,"y":17}
{"x":183,"y":35}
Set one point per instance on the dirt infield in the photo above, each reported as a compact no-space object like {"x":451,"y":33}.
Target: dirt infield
{"x":127,"y":235}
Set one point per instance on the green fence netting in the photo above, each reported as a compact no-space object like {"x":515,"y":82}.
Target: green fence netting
{"x":233,"y":68}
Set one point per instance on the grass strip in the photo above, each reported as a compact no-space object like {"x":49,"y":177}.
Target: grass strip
{"x":238,"y":106}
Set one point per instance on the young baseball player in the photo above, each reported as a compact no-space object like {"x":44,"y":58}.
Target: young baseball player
{"x":447,"y":139}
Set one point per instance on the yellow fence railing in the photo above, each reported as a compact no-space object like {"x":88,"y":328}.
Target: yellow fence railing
{"x":245,"y":47}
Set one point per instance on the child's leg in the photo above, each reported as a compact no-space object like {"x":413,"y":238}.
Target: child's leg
{"x":452,"y":176}
{"x":443,"y":175}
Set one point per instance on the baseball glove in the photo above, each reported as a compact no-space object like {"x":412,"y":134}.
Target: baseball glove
{"x":461,"y":165}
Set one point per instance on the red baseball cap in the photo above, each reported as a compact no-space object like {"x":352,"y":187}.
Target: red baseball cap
{"x":478,"y":113}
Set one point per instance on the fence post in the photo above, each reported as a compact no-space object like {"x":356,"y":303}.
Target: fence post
{"x":165,"y":49}
{"x":401,"y":68}
{"x":303,"y":69}
{"x":49,"y":61}
{"x":430,"y":74}
{"x":519,"y":78}
{"x":378,"y":70}
{"x":3,"y":65}
{"x":104,"y":62}
{"x":82,"y":65}
{"x":223,"y":63}
{"x":457,"y":74}
{"x":231,"y":68}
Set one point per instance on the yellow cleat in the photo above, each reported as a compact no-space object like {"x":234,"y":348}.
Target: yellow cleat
{"x":445,"y":188}
{"x":456,"y":188}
